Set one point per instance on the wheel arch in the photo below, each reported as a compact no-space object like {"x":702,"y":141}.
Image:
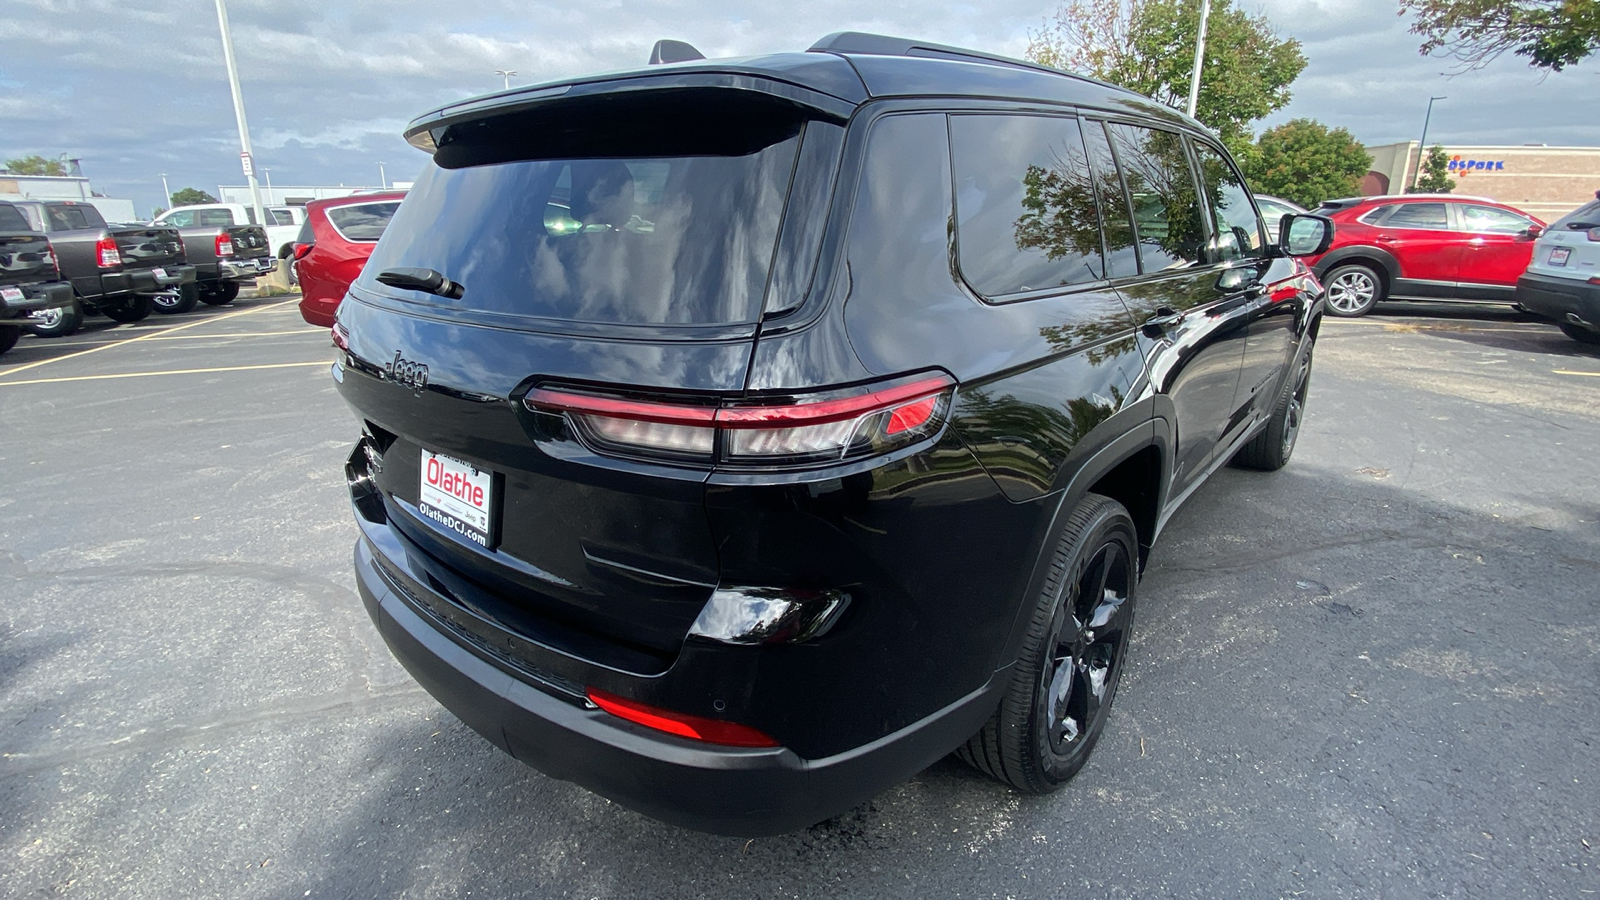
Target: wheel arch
{"x":1381,"y":261}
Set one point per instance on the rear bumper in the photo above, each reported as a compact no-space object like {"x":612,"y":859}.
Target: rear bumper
{"x":1560,"y":299}
{"x":246,"y":268}
{"x":548,"y":725}
{"x":321,"y":311}
{"x":145,"y":281}
{"x":36,"y":297}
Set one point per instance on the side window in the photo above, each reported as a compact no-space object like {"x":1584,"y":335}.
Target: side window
{"x":1489,"y":220}
{"x":1238,"y":234}
{"x":212,"y":217}
{"x":899,"y":242}
{"x":1375,"y":216}
{"x":1166,"y":209}
{"x":183,"y":218}
{"x":1122,"y":257}
{"x":1428,"y":216}
{"x":1025,"y":203}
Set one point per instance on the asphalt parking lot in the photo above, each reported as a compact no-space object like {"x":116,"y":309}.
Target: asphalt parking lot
{"x":1375,"y":673}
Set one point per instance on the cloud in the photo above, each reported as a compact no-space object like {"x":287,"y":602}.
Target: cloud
{"x":137,"y":88}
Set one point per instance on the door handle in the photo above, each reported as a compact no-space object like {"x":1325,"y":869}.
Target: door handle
{"x":1477,"y":242}
{"x":1165,"y":317}
{"x":1384,"y":239}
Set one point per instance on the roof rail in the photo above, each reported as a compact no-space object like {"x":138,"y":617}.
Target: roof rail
{"x":883,"y":45}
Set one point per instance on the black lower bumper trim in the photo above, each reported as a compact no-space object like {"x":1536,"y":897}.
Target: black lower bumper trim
{"x":1559,"y":299}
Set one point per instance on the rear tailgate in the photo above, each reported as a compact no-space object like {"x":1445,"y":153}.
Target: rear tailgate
{"x":148,"y":247}
{"x":249,"y":242}
{"x":25,"y":259}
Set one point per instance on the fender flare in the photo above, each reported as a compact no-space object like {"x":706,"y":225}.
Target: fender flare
{"x":1381,"y":259}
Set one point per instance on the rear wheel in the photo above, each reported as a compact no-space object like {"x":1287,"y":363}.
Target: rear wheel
{"x":1055,"y":708}
{"x":1270,"y":450}
{"x":178,"y":299}
{"x":134,"y":309}
{"x":224,"y":292}
{"x":58,"y":322}
{"x":9,"y":337}
{"x":1580,"y":333}
{"x":1353,"y":290}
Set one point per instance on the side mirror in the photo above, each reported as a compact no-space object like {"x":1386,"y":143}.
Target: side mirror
{"x":1303,"y":234}
{"x":1532,"y":232}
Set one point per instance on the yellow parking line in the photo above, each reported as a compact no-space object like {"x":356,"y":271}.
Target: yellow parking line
{"x":143,"y":337}
{"x":180,"y":337}
{"x":1576,"y":372}
{"x":293,"y":365}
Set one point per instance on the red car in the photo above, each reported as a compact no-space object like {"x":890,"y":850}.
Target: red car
{"x":1423,"y":247}
{"x":333,"y":245}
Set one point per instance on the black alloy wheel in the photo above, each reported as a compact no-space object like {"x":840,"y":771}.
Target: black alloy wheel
{"x":1073,"y":656}
{"x":1353,"y":290}
{"x":134,"y":309}
{"x":176,"y":299}
{"x":222,"y":292}
{"x":57,"y":322}
{"x":1270,"y":450}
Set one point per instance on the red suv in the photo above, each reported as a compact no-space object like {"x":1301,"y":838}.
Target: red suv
{"x":1423,"y":247}
{"x":333,"y":246}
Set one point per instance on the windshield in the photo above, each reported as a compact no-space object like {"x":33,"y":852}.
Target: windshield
{"x":661,"y":240}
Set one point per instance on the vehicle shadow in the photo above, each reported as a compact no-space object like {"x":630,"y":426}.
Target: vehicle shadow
{"x":1496,"y":326}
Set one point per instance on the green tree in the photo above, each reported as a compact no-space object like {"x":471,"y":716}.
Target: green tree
{"x":1435,"y":174}
{"x":1304,"y":161}
{"x":1552,"y":34}
{"x":1148,"y":46}
{"x":189,"y":196}
{"x":36,"y":165}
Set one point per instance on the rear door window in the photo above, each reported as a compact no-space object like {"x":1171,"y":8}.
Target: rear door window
{"x":1238,"y":229}
{"x":1166,"y":207}
{"x":363,"y":222}
{"x":1026,"y":216}
{"x":1427,"y":216}
{"x":607,"y":238}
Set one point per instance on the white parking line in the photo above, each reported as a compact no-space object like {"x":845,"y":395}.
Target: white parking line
{"x":143,"y":337}
{"x":293,"y":365}
{"x":161,"y":336}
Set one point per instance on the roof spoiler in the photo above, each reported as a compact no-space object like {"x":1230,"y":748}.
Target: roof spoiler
{"x":666,"y":51}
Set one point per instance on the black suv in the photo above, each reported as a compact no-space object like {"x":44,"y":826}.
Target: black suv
{"x":742,"y":436}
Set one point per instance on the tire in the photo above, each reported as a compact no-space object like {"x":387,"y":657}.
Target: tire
{"x":180,"y":299}
{"x":1353,"y":290}
{"x":58,"y":322}
{"x":133,"y":310}
{"x":1270,"y":450}
{"x":1579,"y":333}
{"x":9,"y":337}
{"x":1055,"y":708}
{"x":224,"y":292}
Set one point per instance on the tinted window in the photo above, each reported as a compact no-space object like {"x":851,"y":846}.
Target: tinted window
{"x":1489,"y":220}
{"x":12,"y":220}
{"x":1025,"y":203}
{"x":1414,"y":215}
{"x":365,"y":222}
{"x":1122,"y":257}
{"x":679,"y":240}
{"x":1166,"y":209}
{"x":1238,"y":234}
{"x":180,"y":219}
{"x":1589,"y":212}
{"x":214,"y":217}
{"x":68,"y":218}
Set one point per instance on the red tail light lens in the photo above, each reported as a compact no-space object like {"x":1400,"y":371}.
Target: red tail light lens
{"x":301,"y":251}
{"x":224,"y":245}
{"x":55,"y":263}
{"x":341,"y":338}
{"x":829,"y":427}
{"x":695,"y":728}
{"x":107,"y":254}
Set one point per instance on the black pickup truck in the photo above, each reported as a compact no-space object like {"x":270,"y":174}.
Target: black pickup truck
{"x":222,"y":256}
{"x":29,"y":279}
{"x":113,"y":269}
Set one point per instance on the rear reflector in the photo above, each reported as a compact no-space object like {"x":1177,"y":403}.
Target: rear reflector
{"x":107,"y":254}
{"x":695,"y":728}
{"x":826,"y":427}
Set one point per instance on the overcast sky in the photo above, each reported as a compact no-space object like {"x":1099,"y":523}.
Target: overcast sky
{"x":137,"y":87}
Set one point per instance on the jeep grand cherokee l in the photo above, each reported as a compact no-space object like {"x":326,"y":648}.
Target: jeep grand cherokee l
{"x":738,"y":473}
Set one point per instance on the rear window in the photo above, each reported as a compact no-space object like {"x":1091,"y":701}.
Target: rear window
{"x":1589,"y":213}
{"x":362,"y":222}
{"x":69,"y":218}
{"x":216,"y":217}
{"x":604,"y":235}
{"x":12,"y":220}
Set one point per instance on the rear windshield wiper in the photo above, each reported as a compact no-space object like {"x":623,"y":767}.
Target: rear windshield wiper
{"x":426,"y":280}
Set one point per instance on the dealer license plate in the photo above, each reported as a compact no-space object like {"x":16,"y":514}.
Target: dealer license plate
{"x":160,"y":273}
{"x":1558,"y":256}
{"x":457,"y":495}
{"x":12,"y":294}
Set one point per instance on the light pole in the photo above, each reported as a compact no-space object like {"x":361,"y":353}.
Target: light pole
{"x":166,"y":193}
{"x":383,"y":177}
{"x":506,"y":74}
{"x":238,"y":111}
{"x":1423,"y":148}
{"x":268,"y":173}
{"x":1199,"y":57}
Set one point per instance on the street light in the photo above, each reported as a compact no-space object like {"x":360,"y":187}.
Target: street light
{"x":1424,"y":143}
{"x":245,"y":155}
{"x":166,"y":192}
{"x":1199,"y":57}
{"x":268,"y":173}
{"x":506,"y":74}
{"x":383,"y":177}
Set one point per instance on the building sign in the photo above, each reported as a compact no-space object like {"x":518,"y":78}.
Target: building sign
{"x":1459,"y":166}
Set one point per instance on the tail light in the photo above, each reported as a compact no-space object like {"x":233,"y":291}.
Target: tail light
{"x":106,"y":252}
{"x":224,"y":245}
{"x":697,"y":728}
{"x":55,"y":263}
{"x":301,"y":251}
{"x":827,"y":427}
{"x":1594,"y":234}
{"x":341,"y":337}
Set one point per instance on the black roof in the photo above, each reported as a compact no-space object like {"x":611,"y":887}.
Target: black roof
{"x":837,"y":75}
